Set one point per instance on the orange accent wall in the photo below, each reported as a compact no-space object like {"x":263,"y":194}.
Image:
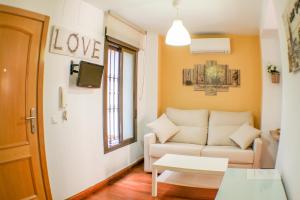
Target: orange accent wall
{"x":245,"y":55}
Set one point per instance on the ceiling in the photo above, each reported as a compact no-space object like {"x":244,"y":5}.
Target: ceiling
{"x":199,"y":16}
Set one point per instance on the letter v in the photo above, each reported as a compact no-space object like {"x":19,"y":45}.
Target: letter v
{"x":85,"y":48}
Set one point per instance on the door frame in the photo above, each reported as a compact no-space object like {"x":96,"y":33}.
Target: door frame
{"x":40,"y":81}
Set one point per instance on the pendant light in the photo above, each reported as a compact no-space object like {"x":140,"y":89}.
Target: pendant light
{"x":177,"y":35}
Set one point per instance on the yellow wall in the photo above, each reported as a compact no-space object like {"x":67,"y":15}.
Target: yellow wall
{"x":245,"y":55}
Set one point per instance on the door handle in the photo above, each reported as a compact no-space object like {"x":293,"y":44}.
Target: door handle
{"x":32,"y":119}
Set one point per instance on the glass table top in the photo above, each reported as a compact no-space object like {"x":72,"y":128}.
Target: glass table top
{"x":251,"y":184}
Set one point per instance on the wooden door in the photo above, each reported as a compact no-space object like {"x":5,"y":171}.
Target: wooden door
{"x":22,"y":36}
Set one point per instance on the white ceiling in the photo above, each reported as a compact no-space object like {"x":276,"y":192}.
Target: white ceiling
{"x":199,"y":16}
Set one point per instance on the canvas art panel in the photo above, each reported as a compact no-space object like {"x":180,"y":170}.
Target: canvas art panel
{"x":292,"y":27}
{"x":188,"y":76}
{"x":234,"y":77}
{"x":215,"y":74}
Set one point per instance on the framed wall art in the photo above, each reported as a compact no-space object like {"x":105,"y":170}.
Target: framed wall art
{"x":211,"y":77}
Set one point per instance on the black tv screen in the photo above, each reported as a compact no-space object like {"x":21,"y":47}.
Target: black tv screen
{"x":90,"y":75}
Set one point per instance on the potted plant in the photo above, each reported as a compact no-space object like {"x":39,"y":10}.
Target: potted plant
{"x":275,"y":74}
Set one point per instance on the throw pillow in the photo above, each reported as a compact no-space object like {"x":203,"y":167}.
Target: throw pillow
{"x":245,"y":135}
{"x":163,"y":128}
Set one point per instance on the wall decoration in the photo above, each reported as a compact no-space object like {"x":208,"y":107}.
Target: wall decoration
{"x":292,"y":26}
{"x":211,"y":78}
{"x":188,"y":75}
{"x":66,"y":42}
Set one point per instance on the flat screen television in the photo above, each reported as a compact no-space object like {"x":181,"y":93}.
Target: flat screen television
{"x":89,"y":75}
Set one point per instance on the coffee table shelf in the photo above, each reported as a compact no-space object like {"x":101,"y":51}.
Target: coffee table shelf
{"x":190,"y":179}
{"x":191,"y":171}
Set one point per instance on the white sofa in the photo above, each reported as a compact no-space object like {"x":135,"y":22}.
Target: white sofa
{"x":204,"y":134}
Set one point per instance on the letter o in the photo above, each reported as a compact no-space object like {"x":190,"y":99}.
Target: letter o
{"x":77,"y":42}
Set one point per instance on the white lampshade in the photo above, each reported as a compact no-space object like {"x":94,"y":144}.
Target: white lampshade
{"x":178,"y":35}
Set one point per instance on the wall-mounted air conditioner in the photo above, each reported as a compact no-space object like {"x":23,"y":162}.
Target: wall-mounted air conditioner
{"x":210,"y":45}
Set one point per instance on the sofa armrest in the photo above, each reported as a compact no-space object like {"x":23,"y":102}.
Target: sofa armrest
{"x":257,"y":148}
{"x":149,"y":139}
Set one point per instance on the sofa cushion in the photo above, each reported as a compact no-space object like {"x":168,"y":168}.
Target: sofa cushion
{"x":163,"y":128}
{"x":193,"y":125}
{"x":234,"y":154}
{"x":158,"y":150}
{"x":224,"y":124}
{"x":188,"y":117}
{"x":190,"y":134}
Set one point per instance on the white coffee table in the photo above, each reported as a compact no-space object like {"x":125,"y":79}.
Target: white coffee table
{"x":191,"y":171}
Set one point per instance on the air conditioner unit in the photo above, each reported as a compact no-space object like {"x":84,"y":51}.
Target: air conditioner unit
{"x":210,"y":45}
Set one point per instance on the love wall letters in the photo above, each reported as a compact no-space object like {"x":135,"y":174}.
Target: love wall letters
{"x":66,"y":42}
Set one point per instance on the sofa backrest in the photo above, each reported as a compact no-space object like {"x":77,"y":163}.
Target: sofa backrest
{"x":223,"y":124}
{"x":193,"y":125}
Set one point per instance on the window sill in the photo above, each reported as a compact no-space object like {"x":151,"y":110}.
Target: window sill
{"x":118,"y":146}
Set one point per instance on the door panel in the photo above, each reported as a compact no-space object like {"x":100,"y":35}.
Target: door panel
{"x":20,"y":166}
{"x":21,"y":188}
{"x":13,"y":86}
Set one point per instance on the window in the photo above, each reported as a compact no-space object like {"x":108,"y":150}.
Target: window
{"x":119,"y":95}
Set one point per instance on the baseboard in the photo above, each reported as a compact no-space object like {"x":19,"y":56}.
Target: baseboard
{"x":83,"y":194}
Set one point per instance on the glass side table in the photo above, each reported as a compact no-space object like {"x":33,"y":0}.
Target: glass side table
{"x":251,"y":184}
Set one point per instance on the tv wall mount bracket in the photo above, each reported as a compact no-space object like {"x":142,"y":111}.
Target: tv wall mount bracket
{"x":72,"y":68}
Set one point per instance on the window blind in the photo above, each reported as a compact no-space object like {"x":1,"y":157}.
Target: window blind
{"x":123,"y":30}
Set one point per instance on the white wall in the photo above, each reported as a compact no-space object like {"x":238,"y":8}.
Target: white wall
{"x":271,"y":96}
{"x":272,"y":93}
{"x":288,"y":161}
{"x":148,"y":83}
{"x":74,"y":148}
